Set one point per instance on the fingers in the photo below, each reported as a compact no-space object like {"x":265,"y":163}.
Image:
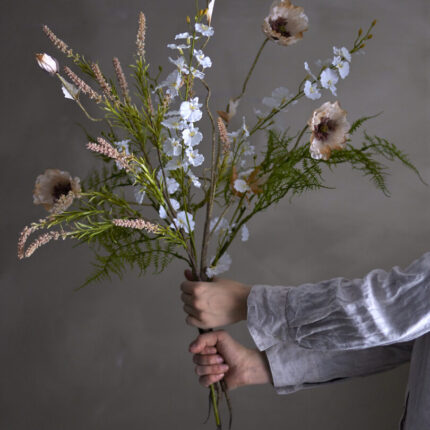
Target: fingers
{"x":215,"y":369}
{"x":207,"y":360}
{"x":188,"y":287}
{"x":187,"y":299}
{"x":210,"y":379}
{"x":206,"y":340}
{"x":191,"y":311}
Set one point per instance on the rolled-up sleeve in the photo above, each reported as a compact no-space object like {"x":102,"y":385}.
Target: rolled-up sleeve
{"x":382,"y":308}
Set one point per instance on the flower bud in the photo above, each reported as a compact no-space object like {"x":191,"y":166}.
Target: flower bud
{"x":209,"y":11}
{"x":46,"y":62}
{"x":188,"y":19}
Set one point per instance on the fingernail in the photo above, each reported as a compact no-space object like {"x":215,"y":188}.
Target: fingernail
{"x":220,"y":360}
{"x":224,"y":368}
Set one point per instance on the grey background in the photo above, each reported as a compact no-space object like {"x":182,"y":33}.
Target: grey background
{"x":115,"y":354}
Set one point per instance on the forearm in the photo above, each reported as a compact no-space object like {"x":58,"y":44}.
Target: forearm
{"x":339,"y":314}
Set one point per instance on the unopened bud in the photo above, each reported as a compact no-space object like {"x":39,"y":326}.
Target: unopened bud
{"x":47,"y":63}
{"x":370,"y":36}
{"x":360,"y":32}
{"x":374,"y":22}
{"x":362,"y":46}
{"x":188,"y":19}
{"x":209,"y":11}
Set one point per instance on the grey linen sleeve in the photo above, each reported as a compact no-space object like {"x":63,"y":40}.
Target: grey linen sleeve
{"x":382,"y":308}
{"x":294,"y":368}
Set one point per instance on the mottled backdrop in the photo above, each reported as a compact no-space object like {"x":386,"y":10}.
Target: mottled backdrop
{"x":115,"y":354}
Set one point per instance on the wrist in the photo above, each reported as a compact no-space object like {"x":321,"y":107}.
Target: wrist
{"x":244,"y":293}
{"x":258,"y":369}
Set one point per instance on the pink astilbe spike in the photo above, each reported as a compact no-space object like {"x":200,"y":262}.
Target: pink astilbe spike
{"x":83,"y":86}
{"x":23,"y":237}
{"x":105,"y":148}
{"x":223,"y":136}
{"x":141,"y":33}
{"x":139,"y":224}
{"x":107,"y":90}
{"x":58,"y":43}
{"x":121,"y":78}
{"x":43,"y":239}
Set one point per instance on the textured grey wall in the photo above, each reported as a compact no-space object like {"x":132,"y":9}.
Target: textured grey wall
{"x":115,"y":355}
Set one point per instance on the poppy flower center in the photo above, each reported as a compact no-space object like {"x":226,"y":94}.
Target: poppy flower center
{"x":280,"y":26}
{"x":323,"y":129}
{"x":61,"y":189}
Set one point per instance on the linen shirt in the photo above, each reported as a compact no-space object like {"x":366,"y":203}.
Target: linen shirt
{"x":320,"y":332}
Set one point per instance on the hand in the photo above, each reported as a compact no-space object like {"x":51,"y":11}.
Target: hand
{"x":218,"y":355}
{"x":214,"y":304}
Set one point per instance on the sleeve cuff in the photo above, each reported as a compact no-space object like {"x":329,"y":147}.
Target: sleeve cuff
{"x":266,"y":320}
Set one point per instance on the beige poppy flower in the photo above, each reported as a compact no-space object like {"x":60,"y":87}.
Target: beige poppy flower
{"x":285,"y":23}
{"x":329,"y":130}
{"x":56,"y":187}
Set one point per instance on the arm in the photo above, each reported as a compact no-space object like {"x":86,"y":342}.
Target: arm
{"x":287,"y":366}
{"x":382,"y":308}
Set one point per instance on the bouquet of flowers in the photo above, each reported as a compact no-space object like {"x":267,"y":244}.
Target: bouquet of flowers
{"x":158,"y":172}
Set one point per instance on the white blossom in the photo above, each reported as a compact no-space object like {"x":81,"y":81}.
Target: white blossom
{"x":192,"y":136}
{"x":139,"y":194}
{"x":244,"y":233}
{"x":341,"y":66}
{"x":172,"y":184}
{"x":204,"y":29}
{"x":203,"y":60}
{"x":279,"y":96}
{"x":243,"y":131}
{"x":241,"y":186}
{"x":176,"y":163}
{"x":210,"y":11}
{"x":308,"y":69}
{"x":221,"y":266}
{"x":69,"y":90}
{"x":222,"y":225}
{"x":194,"y":157}
{"x":194,"y":179}
{"x":190,"y":111}
{"x":162,"y":211}
{"x":181,"y":64}
{"x":311,"y":90}
{"x":173,"y":83}
{"x":342,"y":52}
{"x":197,"y":73}
{"x":184,"y":220}
{"x":329,"y":79}
{"x":180,"y":47}
{"x":174,"y":123}
{"x":172,"y":147}
{"x":183,"y":36}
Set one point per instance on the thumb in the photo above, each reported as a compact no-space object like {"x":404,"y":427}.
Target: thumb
{"x":189,"y":274}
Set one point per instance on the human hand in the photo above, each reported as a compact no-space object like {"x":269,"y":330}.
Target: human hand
{"x":218,"y":355}
{"x":214,"y":304}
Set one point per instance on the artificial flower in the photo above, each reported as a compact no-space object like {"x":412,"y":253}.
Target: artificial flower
{"x":329,"y":128}
{"x":55,"y":185}
{"x":221,"y":266}
{"x":342,"y":52}
{"x":70,"y":91}
{"x":162,"y":211}
{"x":174,"y":123}
{"x":329,"y":80}
{"x":194,"y":179}
{"x":192,"y":136}
{"x":341,"y":66}
{"x":204,"y":29}
{"x":279,"y":97}
{"x":244,"y":233}
{"x":173,"y":82}
{"x":202,"y":59}
{"x":194,"y":157}
{"x":285,"y":23}
{"x":184,"y":220}
{"x":48,"y":63}
{"x":172,"y":147}
{"x":311,"y":90}
{"x":209,"y":11}
{"x":190,"y":111}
